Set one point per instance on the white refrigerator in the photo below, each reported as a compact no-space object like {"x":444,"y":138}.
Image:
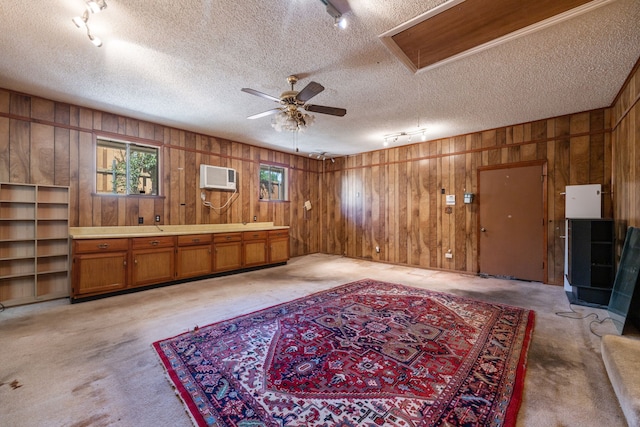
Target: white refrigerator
{"x":581,"y":201}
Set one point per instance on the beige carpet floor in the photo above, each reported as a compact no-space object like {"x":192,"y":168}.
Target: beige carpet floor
{"x":91,"y":364}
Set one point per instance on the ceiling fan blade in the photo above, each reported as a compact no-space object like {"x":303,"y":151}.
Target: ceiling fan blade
{"x":309,"y":91}
{"x":265,"y":113}
{"x":326,"y":110}
{"x":260,"y":94}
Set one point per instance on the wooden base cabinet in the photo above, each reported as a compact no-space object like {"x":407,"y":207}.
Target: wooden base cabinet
{"x":110,"y":265}
{"x":278,"y":246}
{"x":153,"y":260}
{"x":194,"y":256}
{"x":227,"y":251}
{"x":99,"y":266}
{"x":254,"y":248}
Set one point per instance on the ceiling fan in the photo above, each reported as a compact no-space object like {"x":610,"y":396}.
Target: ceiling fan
{"x":289,"y":115}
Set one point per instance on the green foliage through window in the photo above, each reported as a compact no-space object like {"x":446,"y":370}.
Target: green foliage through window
{"x":126,"y":168}
{"x":273,"y":183}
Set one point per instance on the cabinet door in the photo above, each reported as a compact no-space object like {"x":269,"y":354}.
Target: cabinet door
{"x":152,"y":266}
{"x":227,"y":256}
{"x":255,"y":248}
{"x":255,"y":253}
{"x":278,"y":246}
{"x":278,"y":250}
{"x":99,"y":273}
{"x":194,"y":261}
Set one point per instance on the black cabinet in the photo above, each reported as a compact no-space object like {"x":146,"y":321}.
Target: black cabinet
{"x":591,"y":259}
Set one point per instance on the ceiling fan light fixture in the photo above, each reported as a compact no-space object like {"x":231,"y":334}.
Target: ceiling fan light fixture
{"x":292,"y":114}
{"x":292,"y":121}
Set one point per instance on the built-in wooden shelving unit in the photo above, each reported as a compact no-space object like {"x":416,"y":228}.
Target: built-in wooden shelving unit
{"x":34,"y":243}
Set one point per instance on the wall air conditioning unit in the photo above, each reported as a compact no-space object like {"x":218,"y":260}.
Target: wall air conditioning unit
{"x":215,"y":177}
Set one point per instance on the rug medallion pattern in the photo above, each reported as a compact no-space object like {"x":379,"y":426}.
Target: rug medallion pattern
{"x":368,"y":353}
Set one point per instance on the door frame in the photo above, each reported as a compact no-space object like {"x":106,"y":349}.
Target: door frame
{"x":545,"y":220}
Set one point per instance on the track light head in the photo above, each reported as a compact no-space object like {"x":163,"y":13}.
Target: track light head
{"x":95,"y":40}
{"x":81,"y":21}
{"x":96,"y":6}
{"x":338,"y":19}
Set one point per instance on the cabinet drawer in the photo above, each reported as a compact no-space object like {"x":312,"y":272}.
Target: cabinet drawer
{"x":152,"y":242}
{"x":274,"y":234}
{"x":227,"y":237}
{"x":100,"y":245}
{"x":194,"y":239}
{"x":254,"y":235}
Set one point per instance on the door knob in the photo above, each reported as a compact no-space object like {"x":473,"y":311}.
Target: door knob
{"x":483,"y":229}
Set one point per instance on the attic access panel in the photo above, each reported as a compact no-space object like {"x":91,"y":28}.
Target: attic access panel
{"x":460,"y":27}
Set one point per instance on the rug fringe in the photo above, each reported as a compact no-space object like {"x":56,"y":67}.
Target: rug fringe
{"x":174,"y":386}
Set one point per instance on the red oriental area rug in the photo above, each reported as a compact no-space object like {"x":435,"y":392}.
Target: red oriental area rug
{"x":368,"y":353}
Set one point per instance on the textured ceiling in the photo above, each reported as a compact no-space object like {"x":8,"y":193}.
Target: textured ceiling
{"x":183,"y":63}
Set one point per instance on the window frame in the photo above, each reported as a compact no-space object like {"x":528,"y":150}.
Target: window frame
{"x":283,"y":187}
{"x":129,"y":147}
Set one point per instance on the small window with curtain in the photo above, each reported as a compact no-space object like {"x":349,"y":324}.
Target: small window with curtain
{"x":126,"y":168}
{"x":273,"y":183}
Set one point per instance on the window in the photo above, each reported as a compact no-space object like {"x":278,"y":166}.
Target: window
{"x":126,"y":168}
{"x":273,"y":183}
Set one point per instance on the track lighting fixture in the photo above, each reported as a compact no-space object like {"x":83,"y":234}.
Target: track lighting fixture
{"x":95,"y":40}
{"x":82,"y":21}
{"x":96,"y":6}
{"x":339,"y":19}
{"x":393,"y":137}
{"x":322,"y":156}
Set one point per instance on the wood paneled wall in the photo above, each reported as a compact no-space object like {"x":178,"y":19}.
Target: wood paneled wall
{"x":388,"y":198}
{"x":626,"y":154}
{"x":392,"y":198}
{"x":47,"y":142}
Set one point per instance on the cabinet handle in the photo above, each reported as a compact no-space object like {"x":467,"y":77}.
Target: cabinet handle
{"x":125,"y":262}
{"x":228,"y":237}
{"x":154,"y":242}
{"x":195,"y":240}
{"x":135,"y":261}
{"x":103,"y":246}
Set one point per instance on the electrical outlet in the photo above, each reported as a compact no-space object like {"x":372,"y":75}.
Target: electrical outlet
{"x":157,"y":218}
{"x":377,"y":249}
{"x":255,"y":218}
{"x":140,"y":220}
{"x":448,"y":255}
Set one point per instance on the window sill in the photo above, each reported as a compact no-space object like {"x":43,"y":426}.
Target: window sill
{"x":274,"y":201}
{"x":146,"y":196}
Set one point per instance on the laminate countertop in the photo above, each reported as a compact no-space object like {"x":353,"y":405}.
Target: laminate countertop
{"x":168,"y":230}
